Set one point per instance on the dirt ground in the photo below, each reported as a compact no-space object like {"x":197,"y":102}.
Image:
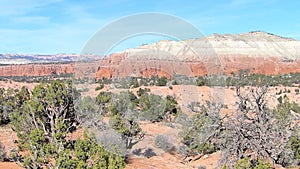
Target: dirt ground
{"x":162,"y":160}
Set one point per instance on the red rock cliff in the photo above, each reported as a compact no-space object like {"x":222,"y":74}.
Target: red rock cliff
{"x":35,"y":69}
{"x":258,"y":51}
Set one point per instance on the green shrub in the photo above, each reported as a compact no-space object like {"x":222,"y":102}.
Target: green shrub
{"x":182,"y":118}
{"x":294,"y":145}
{"x":2,"y":153}
{"x":162,"y":81}
{"x":182,"y":150}
{"x":123,"y":103}
{"x":141,"y":91}
{"x":156,"y":108}
{"x":42,"y":125}
{"x":262,"y":165}
{"x":197,"y":133}
{"x":134,"y":83}
{"x":201,"y":167}
{"x":99,"y":87}
{"x":283,"y":110}
{"x":152,"y":107}
{"x":103,"y":97}
{"x":162,"y":142}
{"x":243,"y":164}
{"x":224,"y":167}
{"x":202,"y":81}
{"x":171,"y":105}
{"x":123,"y":117}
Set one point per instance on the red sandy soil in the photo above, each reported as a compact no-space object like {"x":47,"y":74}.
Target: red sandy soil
{"x":163,"y":160}
{"x":17,"y":85}
{"x":9,"y":165}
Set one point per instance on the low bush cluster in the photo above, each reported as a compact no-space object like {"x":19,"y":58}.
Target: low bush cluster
{"x":162,"y":142}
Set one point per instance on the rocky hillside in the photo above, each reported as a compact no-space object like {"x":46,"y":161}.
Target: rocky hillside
{"x":259,"y":51}
{"x":36,"y":69}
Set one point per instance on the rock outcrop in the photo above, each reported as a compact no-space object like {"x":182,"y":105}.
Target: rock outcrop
{"x":260,"y":52}
{"x":36,"y":69}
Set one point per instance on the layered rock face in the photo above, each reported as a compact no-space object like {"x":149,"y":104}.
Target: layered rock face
{"x":36,"y":69}
{"x":260,"y":52}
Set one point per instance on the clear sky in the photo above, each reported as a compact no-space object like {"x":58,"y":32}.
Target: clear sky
{"x":64,"y":26}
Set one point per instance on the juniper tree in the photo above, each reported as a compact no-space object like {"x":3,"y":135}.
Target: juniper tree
{"x":202,"y":133}
{"x":42,"y":125}
{"x":253,"y":131}
{"x":124,"y":118}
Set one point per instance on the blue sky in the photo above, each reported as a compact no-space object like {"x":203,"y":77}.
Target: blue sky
{"x":64,"y":26}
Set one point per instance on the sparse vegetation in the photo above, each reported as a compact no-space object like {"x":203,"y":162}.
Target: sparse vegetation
{"x":253,"y":131}
{"x":161,"y":81}
{"x":37,"y":79}
{"x":245,"y":78}
{"x":162,"y":142}
{"x":42,"y":121}
{"x":201,"y":167}
{"x":200,"y":134}
{"x":292,"y":151}
{"x":99,"y":87}
{"x":156,"y":108}
{"x":245,"y":163}
{"x":255,"y":136}
{"x":2,"y":153}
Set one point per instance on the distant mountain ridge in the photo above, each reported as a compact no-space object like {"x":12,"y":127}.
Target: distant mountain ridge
{"x":252,"y":44}
{"x":36,"y":58}
{"x":255,"y":36}
{"x":261,"y":52}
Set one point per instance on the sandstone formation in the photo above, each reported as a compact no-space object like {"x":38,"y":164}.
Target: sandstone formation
{"x":36,"y":69}
{"x":260,"y":52}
